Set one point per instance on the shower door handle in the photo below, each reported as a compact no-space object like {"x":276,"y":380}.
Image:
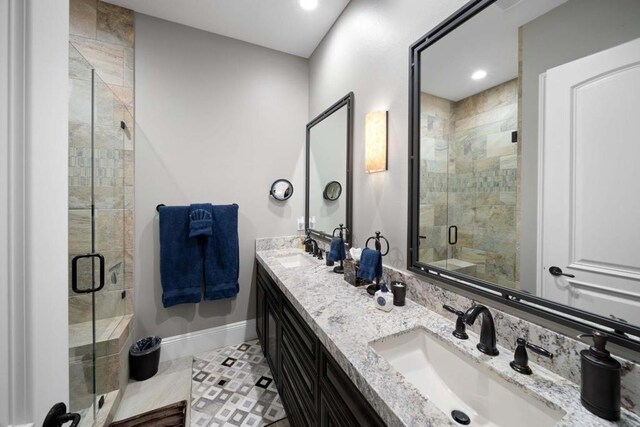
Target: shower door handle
{"x":74,"y":273}
{"x":453,"y":239}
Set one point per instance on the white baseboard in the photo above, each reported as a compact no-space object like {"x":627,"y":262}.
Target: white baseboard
{"x":193,"y":343}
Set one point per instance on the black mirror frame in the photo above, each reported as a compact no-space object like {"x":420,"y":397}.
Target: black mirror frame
{"x":348,"y":101}
{"x":325,"y":193}
{"x":273,"y":186}
{"x":552,"y":311}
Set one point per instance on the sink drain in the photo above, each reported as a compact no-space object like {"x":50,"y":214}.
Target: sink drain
{"x":460,"y":417}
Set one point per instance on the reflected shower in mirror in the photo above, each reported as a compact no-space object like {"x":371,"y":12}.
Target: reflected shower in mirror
{"x":328,"y":169}
{"x":528,"y":145}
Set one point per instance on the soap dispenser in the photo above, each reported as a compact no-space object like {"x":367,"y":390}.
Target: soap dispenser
{"x":600,"y":392}
{"x":383,"y":299}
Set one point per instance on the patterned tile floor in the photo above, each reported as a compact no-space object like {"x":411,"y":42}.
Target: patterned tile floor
{"x":233,"y":386}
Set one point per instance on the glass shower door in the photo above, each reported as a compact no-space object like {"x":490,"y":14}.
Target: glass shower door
{"x":96,"y":234}
{"x":435,"y":131}
{"x":482,"y":186}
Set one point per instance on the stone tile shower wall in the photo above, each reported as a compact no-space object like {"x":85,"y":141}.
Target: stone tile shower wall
{"x":102,"y":38}
{"x":483,"y":186}
{"x":104,"y":35}
{"x":436,"y":124}
{"x":471,"y":182}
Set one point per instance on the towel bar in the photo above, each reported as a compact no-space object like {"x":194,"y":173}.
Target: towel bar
{"x":378,"y":246}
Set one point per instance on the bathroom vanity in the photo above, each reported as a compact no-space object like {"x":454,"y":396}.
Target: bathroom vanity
{"x":311,"y":384}
{"x":337,"y":360}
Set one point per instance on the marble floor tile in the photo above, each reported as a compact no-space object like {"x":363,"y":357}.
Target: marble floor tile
{"x":233,"y":386}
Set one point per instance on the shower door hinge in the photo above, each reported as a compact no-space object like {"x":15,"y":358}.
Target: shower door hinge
{"x":101,"y":402}
{"x":123,"y":294}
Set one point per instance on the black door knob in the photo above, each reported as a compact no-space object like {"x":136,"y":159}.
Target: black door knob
{"x":557,"y":271}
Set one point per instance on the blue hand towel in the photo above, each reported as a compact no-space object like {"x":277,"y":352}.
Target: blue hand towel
{"x":180,"y":258}
{"x":200,"y":220}
{"x":370,"y":265}
{"x":336,"y":250}
{"x":221,"y":254}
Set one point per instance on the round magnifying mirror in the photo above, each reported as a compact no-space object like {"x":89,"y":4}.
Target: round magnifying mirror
{"x":281,"y":189}
{"x":332,"y":191}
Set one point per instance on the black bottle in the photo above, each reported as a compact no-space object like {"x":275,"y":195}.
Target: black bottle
{"x":600,"y":392}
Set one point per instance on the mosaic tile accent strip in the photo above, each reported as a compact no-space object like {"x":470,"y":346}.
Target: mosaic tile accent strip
{"x":233,"y":386}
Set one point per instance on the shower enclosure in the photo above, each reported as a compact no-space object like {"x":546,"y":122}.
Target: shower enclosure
{"x":97,"y":294}
{"x":469,"y":184}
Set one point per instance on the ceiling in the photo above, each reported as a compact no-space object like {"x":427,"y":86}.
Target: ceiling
{"x":277,"y":24}
{"x":488,"y":41}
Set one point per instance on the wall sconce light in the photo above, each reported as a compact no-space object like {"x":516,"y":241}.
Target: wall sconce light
{"x":376,"y":141}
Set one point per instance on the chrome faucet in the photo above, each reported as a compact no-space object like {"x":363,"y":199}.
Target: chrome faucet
{"x":487,"y":344}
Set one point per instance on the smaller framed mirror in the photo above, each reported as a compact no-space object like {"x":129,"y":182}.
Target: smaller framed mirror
{"x":281,"y":190}
{"x":329,"y":170}
{"x":332,"y":191}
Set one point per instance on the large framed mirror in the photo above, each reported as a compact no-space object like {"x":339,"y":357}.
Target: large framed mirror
{"x":328,"y":169}
{"x":524,"y":148}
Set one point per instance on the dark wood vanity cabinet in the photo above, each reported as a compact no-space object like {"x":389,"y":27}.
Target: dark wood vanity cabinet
{"x":340,"y":399}
{"x":315,"y":391}
{"x":268,"y":320}
{"x":260,"y":301}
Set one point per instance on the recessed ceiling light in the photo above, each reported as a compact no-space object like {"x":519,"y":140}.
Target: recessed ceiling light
{"x":479,"y":74}
{"x":308,"y":4}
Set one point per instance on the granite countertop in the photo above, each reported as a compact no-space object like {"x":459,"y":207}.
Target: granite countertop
{"x":346,"y":321}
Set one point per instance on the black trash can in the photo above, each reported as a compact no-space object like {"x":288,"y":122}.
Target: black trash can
{"x":144,"y":358}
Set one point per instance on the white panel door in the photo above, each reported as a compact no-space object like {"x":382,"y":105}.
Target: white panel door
{"x":591,"y":183}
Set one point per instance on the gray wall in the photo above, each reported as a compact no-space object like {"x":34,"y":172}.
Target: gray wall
{"x":575,"y":29}
{"x":367,"y":52}
{"x":217,"y":120}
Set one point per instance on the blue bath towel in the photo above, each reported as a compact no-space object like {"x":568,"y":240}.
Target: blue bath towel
{"x":221,"y":254}
{"x":370,"y":265}
{"x":200,"y":220}
{"x":336,"y":250}
{"x":180,"y":258}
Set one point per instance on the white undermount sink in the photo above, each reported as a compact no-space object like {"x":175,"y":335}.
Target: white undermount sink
{"x":454,"y":382}
{"x":295,"y":260}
